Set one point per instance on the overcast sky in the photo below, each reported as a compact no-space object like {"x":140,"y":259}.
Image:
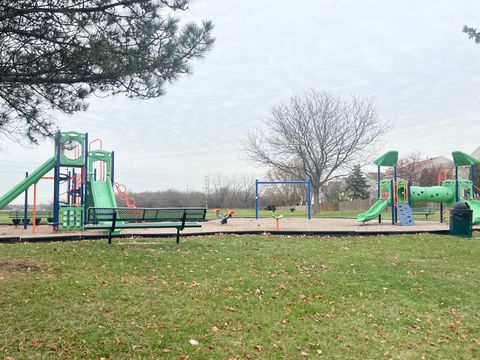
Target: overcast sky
{"x":410,"y":56}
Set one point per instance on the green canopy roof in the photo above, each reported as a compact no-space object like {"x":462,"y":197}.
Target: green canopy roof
{"x":462,"y":159}
{"x":390,"y":158}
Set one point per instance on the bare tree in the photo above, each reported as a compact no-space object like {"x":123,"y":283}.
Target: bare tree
{"x":318,"y":136}
{"x":410,"y":167}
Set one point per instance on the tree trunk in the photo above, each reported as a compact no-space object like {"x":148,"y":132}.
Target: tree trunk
{"x":316,"y":199}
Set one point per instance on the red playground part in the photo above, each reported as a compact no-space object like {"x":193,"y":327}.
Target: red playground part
{"x":123,"y":195}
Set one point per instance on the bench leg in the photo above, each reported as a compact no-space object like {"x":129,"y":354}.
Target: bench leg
{"x":178,"y":236}
{"x":109,"y":237}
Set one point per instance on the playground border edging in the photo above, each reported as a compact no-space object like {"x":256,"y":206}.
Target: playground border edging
{"x":339,"y":233}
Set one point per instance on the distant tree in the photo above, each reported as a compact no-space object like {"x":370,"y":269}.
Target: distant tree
{"x":409,"y":167}
{"x":472,"y":33}
{"x":316,"y":136}
{"x":429,"y":176}
{"x":334,"y":191}
{"x":356,"y":186}
{"x":56,"y":53}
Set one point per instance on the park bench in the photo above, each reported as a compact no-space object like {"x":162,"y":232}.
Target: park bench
{"x":424,"y":211}
{"x":17,"y":218}
{"x":112,"y":219}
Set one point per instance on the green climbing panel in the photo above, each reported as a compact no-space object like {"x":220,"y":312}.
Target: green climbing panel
{"x":71,"y":218}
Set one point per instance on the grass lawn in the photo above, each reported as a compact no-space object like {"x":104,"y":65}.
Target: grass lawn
{"x":6,"y":220}
{"x":251,"y":297}
{"x":323,"y":214}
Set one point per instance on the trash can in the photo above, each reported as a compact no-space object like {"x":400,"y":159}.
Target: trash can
{"x":461,"y":220}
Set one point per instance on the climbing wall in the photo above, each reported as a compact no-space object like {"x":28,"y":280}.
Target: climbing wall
{"x":405,"y":216}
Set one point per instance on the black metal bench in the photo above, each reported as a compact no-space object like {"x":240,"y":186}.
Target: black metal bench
{"x":112,"y":219}
{"x":17,"y":220}
{"x":424,"y":211}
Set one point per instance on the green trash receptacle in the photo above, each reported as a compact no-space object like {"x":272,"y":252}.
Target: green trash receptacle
{"x":461,"y":220}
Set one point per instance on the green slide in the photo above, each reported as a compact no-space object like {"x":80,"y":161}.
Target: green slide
{"x":375,"y":210}
{"x":102,"y":192}
{"x":475,"y":206}
{"x":23,"y":185}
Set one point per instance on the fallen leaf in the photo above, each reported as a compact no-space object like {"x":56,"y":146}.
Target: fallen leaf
{"x":193,"y":342}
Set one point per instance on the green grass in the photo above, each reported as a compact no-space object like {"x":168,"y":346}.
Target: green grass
{"x":251,"y":297}
{"x":5,"y":218}
{"x":4,"y":215}
{"x":348,"y":214}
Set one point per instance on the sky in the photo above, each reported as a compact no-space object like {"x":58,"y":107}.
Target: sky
{"x":410,"y":57}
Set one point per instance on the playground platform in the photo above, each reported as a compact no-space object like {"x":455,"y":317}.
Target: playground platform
{"x":240,"y":226}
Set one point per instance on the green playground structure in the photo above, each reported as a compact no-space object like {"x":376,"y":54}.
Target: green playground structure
{"x":83,"y":196}
{"x":400,"y":195}
{"x":82,"y":178}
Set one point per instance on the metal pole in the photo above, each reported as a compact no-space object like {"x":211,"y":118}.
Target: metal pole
{"x":75,"y":186}
{"x":69,"y":188}
{"x":472,"y":174}
{"x":25,"y":207}
{"x":309,"y":197}
{"x":84,"y":197}
{"x":392,"y":202}
{"x":56,"y":183}
{"x":34,"y":224}
{"x":395,"y":189}
{"x":256,"y":198}
{"x":456,"y":183}
{"x":112,"y":170}
{"x":378,"y":192}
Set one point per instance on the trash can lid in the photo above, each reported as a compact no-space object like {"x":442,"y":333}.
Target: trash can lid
{"x":461,"y":205}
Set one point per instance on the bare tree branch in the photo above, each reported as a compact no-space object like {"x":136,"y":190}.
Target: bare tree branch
{"x":317,"y":136}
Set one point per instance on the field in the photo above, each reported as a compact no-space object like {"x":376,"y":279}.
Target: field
{"x":251,"y":297}
{"x":247,"y":213}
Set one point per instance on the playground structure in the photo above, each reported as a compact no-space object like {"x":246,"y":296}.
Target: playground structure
{"x":400,"y":194}
{"x":284,"y":182}
{"x":87,"y":174}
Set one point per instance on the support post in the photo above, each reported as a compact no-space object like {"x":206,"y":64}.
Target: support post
{"x":395,"y":194}
{"x":256,"y":198}
{"x":378,"y":192}
{"x":456,"y":183}
{"x":69,"y":187}
{"x":56,"y":182}
{"x":84,"y":197}
{"x":472,"y":175}
{"x":114,"y":223}
{"x":25,"y":208}
{"x":392,"y":201}
{"x":408,"y":192}
{"x":441,"y":213}
{"x":34,"y":224}
{"x":112,"y":169}
{"x":309,"y":202}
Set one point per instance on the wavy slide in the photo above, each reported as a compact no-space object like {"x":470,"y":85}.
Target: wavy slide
{"x":375,"y":210}
{"x":475,"y":206}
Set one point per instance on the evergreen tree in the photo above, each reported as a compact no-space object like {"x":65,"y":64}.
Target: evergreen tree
{"x":56,"y":53}
{"x":356,"y":184}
